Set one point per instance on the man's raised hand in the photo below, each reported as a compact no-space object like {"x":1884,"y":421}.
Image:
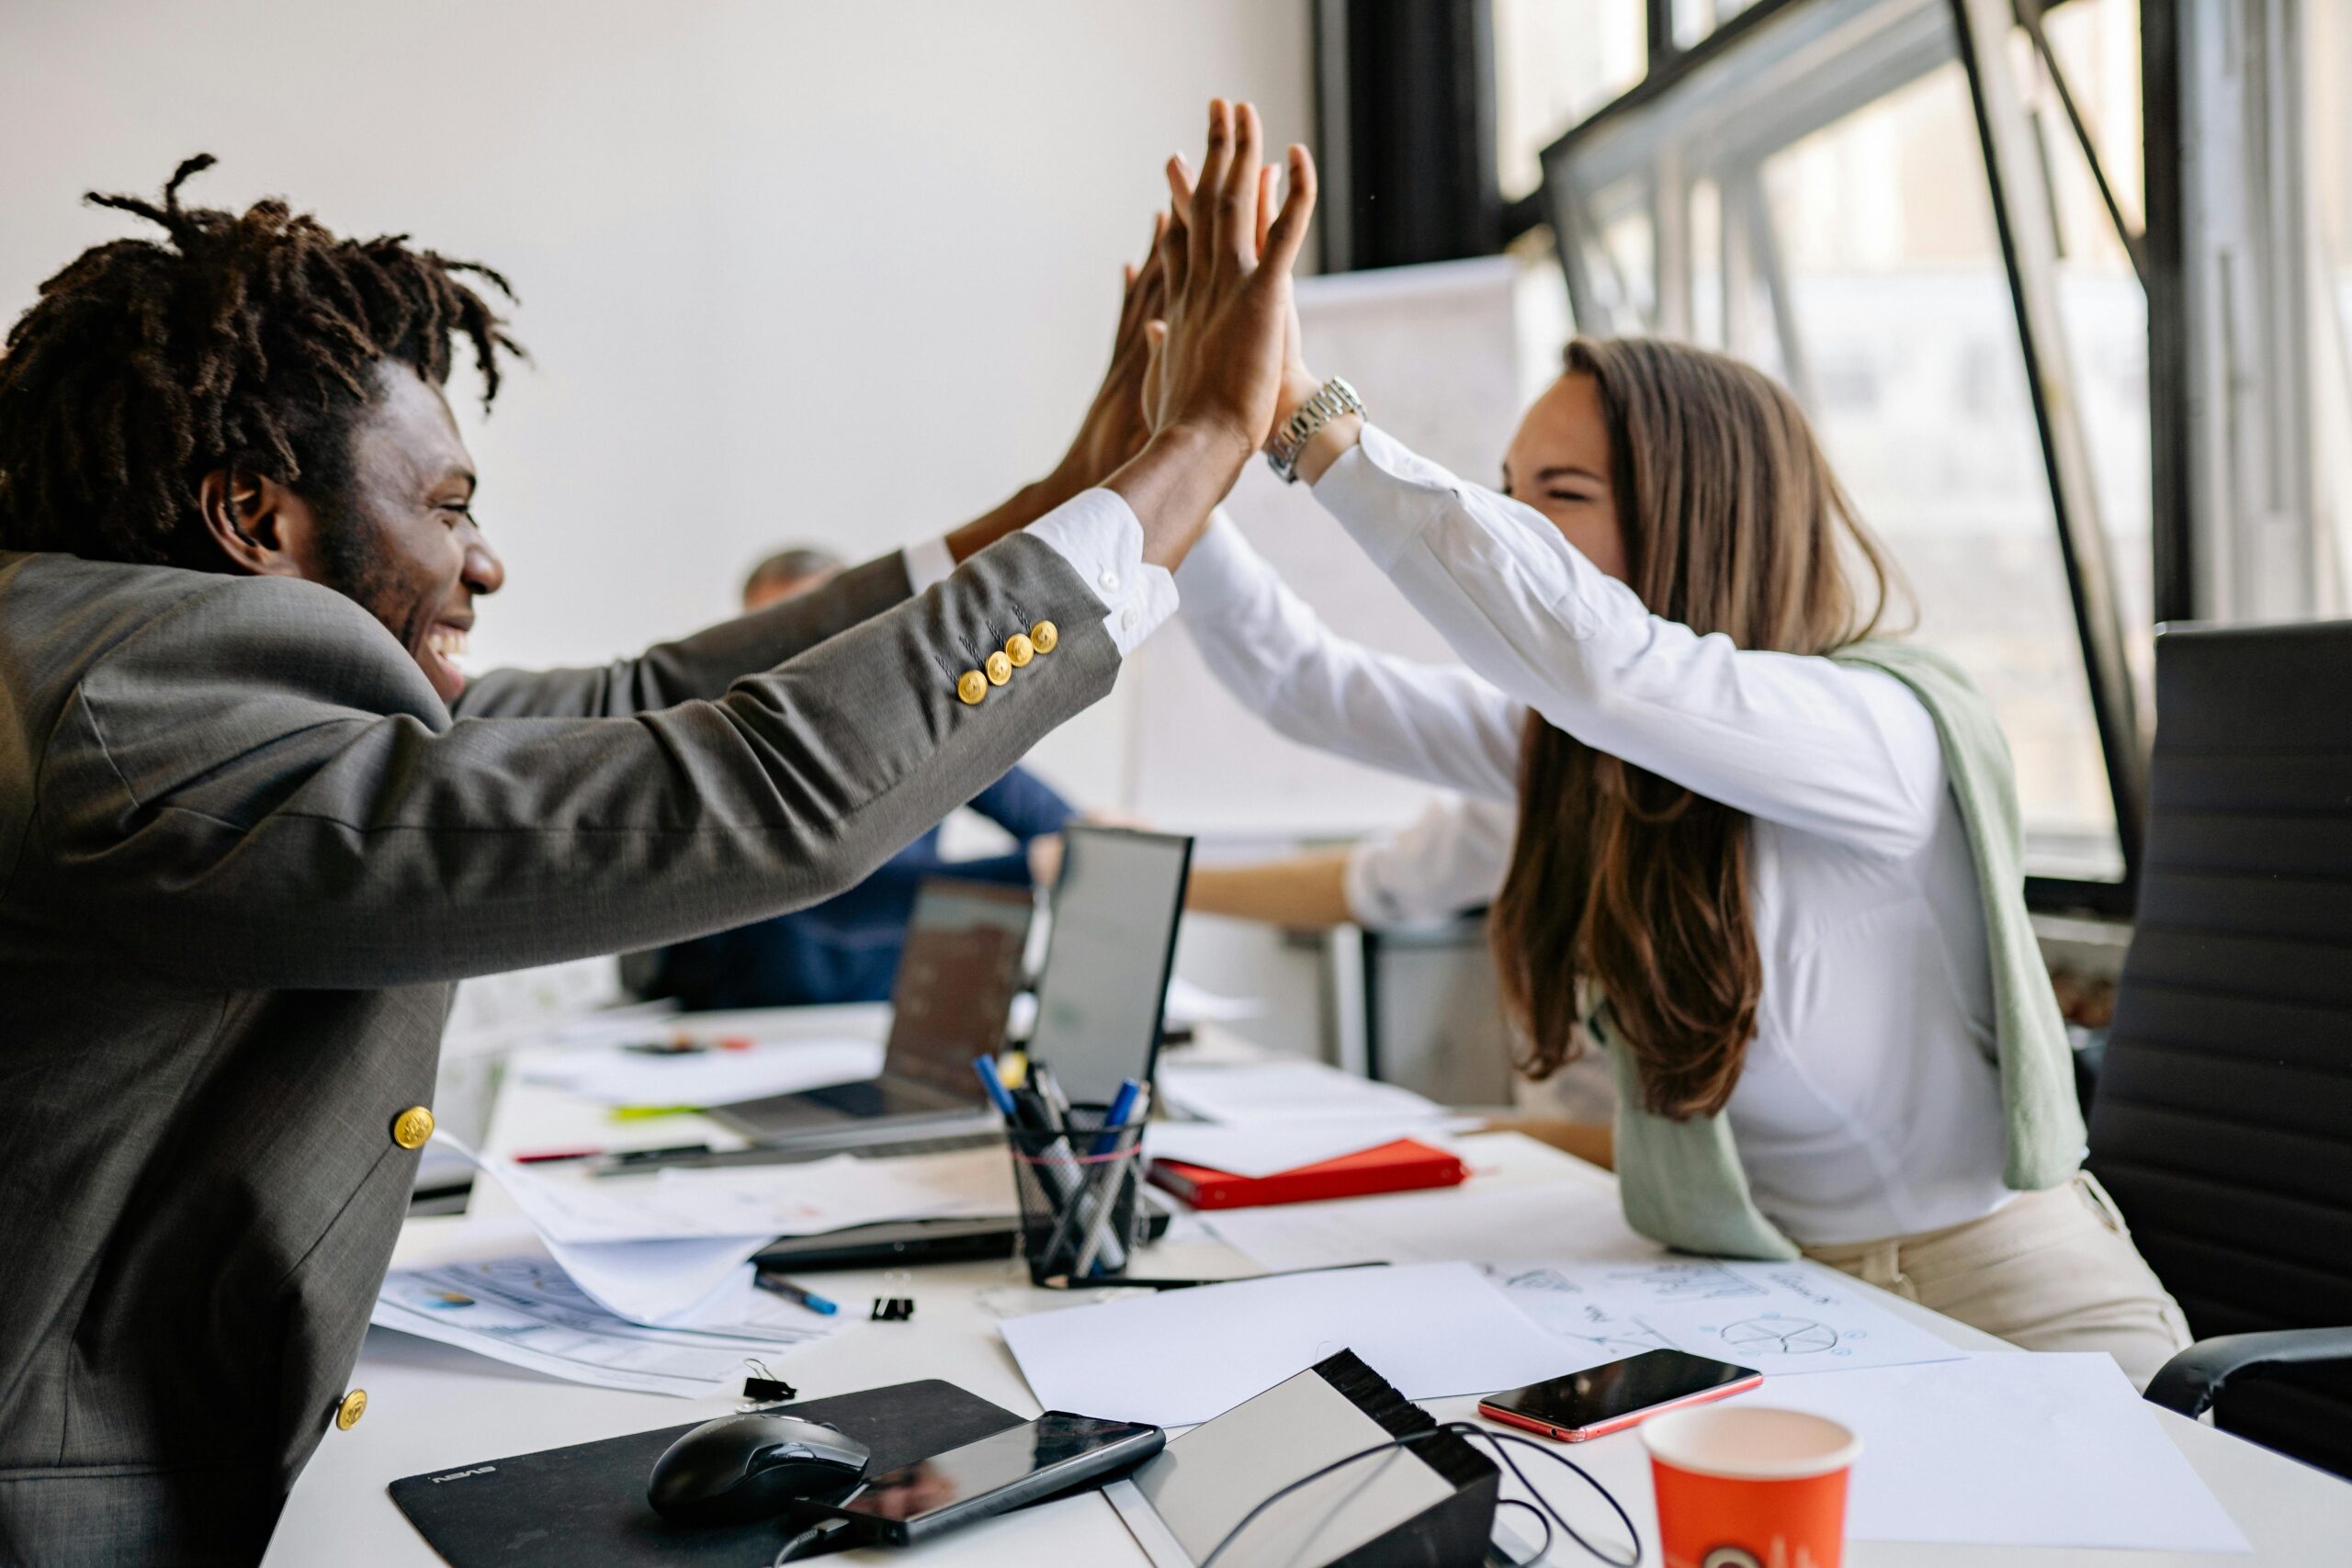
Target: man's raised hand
{"x":1229,"y":255}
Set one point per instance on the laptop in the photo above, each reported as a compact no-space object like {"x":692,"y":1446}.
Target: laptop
{"x":1101,"y":994}
{"x":955,"y":984}
{"x":1100,"y":997}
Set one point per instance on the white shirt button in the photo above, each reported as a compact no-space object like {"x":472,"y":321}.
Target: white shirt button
{"x":1110,"y":581}
{"x":1131,"y":619}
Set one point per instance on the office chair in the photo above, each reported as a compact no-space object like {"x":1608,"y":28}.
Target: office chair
{"x":2222,"y":1122}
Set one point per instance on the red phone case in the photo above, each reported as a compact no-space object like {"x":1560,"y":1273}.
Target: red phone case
{"x":1615,"y":1423}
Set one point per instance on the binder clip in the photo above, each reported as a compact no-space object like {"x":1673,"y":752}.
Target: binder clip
{"x":764,"y":1387}
{"x":893,"y":1309}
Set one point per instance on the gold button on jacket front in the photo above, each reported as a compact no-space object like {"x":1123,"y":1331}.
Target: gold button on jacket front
{"x":354,"y":1406}
{"x":411,"y":1127}
{"x":971,"y":685}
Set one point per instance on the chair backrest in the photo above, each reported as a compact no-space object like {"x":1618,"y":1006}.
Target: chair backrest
{"x":2222,"y":1122}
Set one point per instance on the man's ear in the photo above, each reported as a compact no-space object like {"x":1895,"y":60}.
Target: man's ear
{"x":255,"y":523}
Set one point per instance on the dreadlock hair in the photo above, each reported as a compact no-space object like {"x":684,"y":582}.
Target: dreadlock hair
{"x":246,"y":344}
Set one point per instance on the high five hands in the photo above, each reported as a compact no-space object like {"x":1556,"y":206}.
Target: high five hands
{"x":1219,"y":359}
{"x":1200,"y":360}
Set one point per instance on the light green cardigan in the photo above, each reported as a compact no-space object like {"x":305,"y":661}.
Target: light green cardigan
{"x":1681,"y":1182}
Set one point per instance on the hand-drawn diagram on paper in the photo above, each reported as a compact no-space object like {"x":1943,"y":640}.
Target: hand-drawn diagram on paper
{"x":1775,"y":1317}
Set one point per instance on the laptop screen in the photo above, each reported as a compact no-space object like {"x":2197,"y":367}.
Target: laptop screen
{"x":1113,"y":938}
{"x":956,"y":979}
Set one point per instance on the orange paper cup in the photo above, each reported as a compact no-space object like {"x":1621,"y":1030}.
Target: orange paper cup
{"x":1748,"y":1486}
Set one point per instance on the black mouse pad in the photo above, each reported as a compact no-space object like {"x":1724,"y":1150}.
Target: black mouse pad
{"x":561,"y":1508}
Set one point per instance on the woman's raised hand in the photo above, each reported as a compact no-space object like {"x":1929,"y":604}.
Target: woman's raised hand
{"x":1227,"y":253}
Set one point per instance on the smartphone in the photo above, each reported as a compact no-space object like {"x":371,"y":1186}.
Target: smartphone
{"x":1016,"y":1466}
{"x":1610,"y":1398}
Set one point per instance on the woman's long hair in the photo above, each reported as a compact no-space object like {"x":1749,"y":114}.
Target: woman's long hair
{"x":1733,"y":523}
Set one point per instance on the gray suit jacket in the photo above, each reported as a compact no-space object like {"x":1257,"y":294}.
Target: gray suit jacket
{"x":245,"y":851}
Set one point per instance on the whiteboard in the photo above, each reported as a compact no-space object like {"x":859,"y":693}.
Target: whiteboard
{"x":1435,"y":351}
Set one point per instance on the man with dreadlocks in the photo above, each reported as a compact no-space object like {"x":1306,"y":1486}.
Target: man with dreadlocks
{"x":253,"y":822}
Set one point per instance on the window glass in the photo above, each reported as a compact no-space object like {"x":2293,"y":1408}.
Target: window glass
{"x":2327,"y":141}
{"x":1555,"y":61}
{"x":1819,"y":206}
{"x":1694,"y":19}
{"x":2100,"y":302}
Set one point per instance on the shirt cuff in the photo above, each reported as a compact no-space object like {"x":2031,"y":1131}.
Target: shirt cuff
{"x":1369,"y":904}
{"x":1384,"y":495}
{"x":928,"y":564}
{"x":1098,"y":534}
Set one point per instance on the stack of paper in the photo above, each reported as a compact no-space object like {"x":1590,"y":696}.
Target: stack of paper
{"x":528,"y":1312}
{"x":613,"y":1075}
{"x":1290,"y":1092}
{"x":663,"y":1248}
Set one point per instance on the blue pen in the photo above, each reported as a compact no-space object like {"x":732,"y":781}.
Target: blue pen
{"x":1123,"y":1106}
{"x":993,"y":1081}
{"x":800,"y":1294}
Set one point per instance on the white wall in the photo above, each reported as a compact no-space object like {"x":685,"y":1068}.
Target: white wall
{"x":840,"y":272}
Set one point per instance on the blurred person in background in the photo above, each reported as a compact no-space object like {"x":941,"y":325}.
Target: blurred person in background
{"x":845,"y":948}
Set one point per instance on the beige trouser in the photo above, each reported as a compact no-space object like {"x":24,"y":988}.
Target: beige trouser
{"x":2049,"y":1270}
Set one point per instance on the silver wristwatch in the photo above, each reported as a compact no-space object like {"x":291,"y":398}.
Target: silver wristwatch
{"x":1330,"y":401}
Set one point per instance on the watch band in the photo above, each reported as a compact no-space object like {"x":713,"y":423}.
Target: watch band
{"x":1331,"y":400}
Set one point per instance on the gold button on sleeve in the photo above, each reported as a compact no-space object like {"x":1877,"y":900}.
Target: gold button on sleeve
{"x":411,"y":1127}
{"x":1045,"y":635}
{"x":1000,"y":669}
{"x":971,"y":685}
{"x":354,"y":1406}
{"x":1020,"y":649}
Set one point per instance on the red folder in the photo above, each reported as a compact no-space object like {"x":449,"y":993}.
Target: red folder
{"x":1401,"y":1166}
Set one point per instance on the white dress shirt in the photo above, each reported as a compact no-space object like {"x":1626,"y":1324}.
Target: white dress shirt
{"x":1097,"y":532}
{"x":1870,"y":1103}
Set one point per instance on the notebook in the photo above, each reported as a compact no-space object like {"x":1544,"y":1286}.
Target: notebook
{"x":1401,"y":1166}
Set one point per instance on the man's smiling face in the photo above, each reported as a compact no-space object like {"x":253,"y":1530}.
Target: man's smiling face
{"x":401,"y":540}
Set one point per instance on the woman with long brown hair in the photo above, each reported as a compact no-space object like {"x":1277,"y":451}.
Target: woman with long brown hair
{"x":1762,"y":856}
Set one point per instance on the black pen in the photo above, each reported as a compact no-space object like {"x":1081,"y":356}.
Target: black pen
{"x":623,"y":1161}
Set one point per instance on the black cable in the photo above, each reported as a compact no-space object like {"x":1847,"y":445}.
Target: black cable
{"x":1541,"y":1517}
{"x":1466,"y":1429}
{"x":1499,"y":1439}
{"x":816,"y":1534}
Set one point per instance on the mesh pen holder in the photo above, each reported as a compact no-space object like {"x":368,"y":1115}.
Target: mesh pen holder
{"x":1080,"y":1210}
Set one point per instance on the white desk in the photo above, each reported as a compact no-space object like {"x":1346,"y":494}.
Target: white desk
{"x":431,"y":1407}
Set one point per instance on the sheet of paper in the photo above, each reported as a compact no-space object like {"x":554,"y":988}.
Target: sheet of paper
{"x":528,"y":1312}
{"x":657,"y":1247}
{"x":1188,"y":1003}
{"x":659,"y":1282}
{"x":1619,"y":1297}
{"x":1263,"y":1148}
{"x":567,"y":1204}
{"x":1287,"y":1092}
{"x":2013,"y":1449}
{"x":613,"y":1075}
{"x":1780,"y":1318}
{"x":647,"y":1281}
{"x":1180,"y":1358}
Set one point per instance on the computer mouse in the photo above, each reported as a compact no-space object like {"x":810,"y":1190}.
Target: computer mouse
{"x":741,"y":1468}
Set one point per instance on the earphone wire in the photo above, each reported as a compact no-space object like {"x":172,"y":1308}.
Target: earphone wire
{"x":1543,"y":1506}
